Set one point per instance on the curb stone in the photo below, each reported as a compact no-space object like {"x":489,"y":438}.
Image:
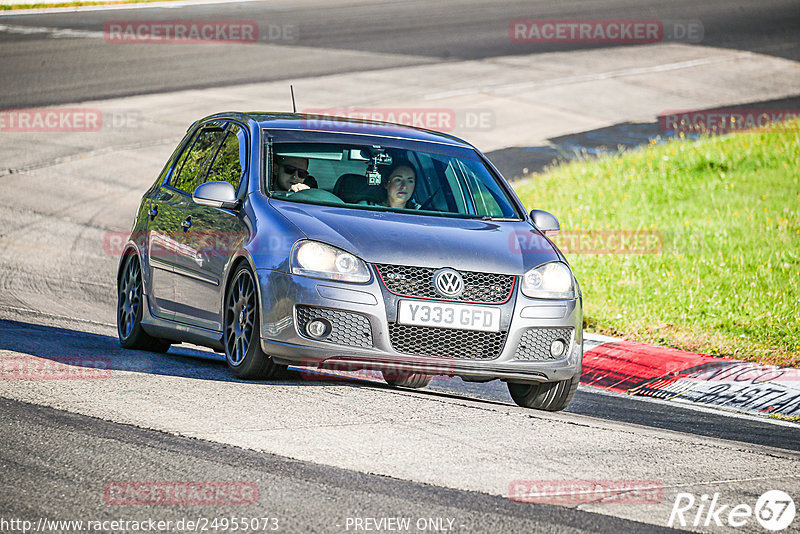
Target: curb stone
{"x":670,"y":374}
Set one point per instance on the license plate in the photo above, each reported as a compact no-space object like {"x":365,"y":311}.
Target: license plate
{"x":449,"y":315}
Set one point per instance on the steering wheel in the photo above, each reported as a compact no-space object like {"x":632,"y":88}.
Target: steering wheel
{"x":317,"y":195}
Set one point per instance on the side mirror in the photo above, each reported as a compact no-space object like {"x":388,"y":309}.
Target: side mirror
{"x":545,"y":222}
{"x":216,"y":195}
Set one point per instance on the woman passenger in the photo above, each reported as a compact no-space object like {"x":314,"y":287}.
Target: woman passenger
{"x":399,"y":183}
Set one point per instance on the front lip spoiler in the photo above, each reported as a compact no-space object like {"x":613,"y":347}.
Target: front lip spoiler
{"x":422,"y":365}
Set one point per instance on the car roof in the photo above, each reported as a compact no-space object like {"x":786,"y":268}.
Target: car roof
{"x":332,"y":124}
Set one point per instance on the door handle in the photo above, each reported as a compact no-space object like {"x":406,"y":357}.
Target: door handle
{"x":186,"y":224}
{"x":153,"y":212}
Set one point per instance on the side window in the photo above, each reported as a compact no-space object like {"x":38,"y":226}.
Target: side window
{"x":171,"y":164}
{"x":227,"y":166}
{"x":482,"y":197}
{"x":194,"y":163}
{"x":182,"y":158}
{"x":455,"y":187}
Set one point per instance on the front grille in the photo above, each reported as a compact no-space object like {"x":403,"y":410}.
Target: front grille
{"x":351,"y":329}
{"x":535,"y":343}
{"x":446,"y":342}
{"x":418,"y":282}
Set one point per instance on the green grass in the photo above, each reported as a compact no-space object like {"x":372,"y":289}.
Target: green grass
{"x":77,"y":3}
{"x":792,"y":418}
{"x":727,"y":212}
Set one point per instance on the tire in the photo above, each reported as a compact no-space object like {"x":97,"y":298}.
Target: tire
{"x":550,"y":396}
{"x":406,"y":380}
{"x":241,"y":339}
{"x":130,"y":303}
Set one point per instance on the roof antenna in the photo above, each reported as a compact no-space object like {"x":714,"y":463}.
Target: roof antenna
{"x":294,"y":107}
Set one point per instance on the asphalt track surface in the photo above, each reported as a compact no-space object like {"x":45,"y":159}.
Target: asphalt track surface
{"x":58,"y":293}
{"x":41,"y":70}
{"x":67,"y":481}
{"x":58,"y":344}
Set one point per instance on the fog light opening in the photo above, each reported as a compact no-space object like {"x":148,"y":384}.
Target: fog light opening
{"x":318,"y":328}
{"x":558,"y":347}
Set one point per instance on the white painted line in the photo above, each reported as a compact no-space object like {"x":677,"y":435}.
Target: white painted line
{"x":55,"y":33}
{"x":140,"y":5}
{"x":584,"y":78}
{"x":599,"y":338}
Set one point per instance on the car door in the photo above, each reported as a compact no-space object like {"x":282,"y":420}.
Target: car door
{"x":170,"y":214}
{"x":212,"y":238}
{"x":162,"y":235}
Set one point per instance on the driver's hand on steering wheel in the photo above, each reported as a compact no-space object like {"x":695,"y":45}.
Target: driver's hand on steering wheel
{"x":298,"y":187}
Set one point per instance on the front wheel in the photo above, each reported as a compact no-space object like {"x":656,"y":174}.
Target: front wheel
{"x":242,"y":319}
{"x":550,"y":396}
{"x":130,"y":302}
{"x":406,"y":380}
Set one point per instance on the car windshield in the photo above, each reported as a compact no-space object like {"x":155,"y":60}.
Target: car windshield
{"x":380,"y":177}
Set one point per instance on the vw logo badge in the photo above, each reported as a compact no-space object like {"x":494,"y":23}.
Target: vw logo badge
{"x":448,"y":283}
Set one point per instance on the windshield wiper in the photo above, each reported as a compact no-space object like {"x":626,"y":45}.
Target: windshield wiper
{"x":500,"y":219}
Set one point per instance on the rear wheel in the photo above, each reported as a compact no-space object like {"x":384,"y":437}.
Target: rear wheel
{"x":130,"y":302}
{"x":242,"y":319}
{"x":406,"y":380}
{"x":550,"y":396}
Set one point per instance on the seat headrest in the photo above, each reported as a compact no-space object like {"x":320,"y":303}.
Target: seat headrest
{"x":353,"y":188}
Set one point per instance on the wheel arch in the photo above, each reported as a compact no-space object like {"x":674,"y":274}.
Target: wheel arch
{"x":130,"y":249}
{"x":234,"y":265}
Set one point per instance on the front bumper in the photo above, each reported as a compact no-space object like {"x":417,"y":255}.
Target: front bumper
{"x":282,"y":293}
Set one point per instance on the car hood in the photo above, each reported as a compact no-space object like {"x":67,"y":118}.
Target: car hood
{"x":503,"y":247}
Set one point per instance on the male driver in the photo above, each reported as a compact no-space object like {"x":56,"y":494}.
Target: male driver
{"x":289,"y":173}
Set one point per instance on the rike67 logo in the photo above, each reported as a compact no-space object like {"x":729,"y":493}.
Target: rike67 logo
{"x":774,"y":510}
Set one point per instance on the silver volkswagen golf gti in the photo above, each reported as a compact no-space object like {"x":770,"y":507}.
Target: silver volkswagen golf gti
{"x":287,"y":239}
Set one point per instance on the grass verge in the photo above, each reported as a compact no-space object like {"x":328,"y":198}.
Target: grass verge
{"x":714,"y":224}
{"x":11,"y":7}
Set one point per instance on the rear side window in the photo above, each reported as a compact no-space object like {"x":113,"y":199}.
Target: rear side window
{"x":194,"y":162}
{"x":227,"y":166}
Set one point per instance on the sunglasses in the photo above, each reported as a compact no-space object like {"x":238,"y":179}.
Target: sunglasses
{"x":291,"y":169}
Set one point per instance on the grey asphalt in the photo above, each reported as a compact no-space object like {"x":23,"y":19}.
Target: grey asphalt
{"x":67,"y":478}
{"x":41,"y":70}
{"x":466,"y":437}
{"x":67,"y":344}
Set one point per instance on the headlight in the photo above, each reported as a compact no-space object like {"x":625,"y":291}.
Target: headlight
{"x":549,"y":281}
{"x":311,"y":258}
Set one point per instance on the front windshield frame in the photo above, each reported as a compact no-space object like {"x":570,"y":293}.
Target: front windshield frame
{"x":470,"y":161}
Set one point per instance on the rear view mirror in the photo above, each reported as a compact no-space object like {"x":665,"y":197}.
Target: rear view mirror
{"x":216,"y":195}
{"x":545,"y":222}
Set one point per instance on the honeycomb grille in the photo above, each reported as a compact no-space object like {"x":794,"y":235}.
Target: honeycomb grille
{"x":446,"y":342}
{"x":535,"y":343}
{"x":351,"y":329}
{"x":418,"y":282}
